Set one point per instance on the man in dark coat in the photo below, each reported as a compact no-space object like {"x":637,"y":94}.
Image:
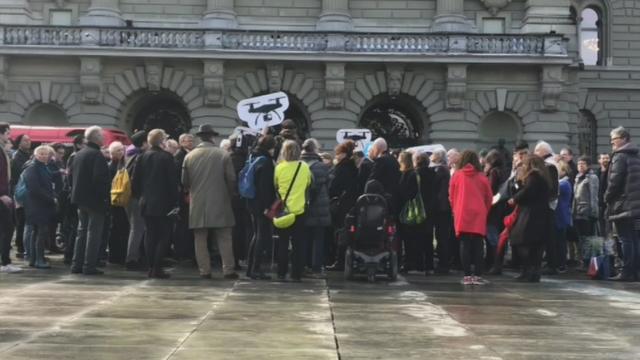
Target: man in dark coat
{"x":603,"y":175}
{"x":623,"y":200}
{"x":6,"y":203}
{"x":90,"y":192}
{"x":20,"y":157}
{"x":545,"y":151}
{"x":386,"y":170}
{"x":439,"y":209}
{"x":183,"y":237}
{"x":155,"y":179}
{"x":70,"y":215}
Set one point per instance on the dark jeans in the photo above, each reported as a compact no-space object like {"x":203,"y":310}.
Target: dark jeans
{"x":296,"y":235}
{"x":240,"y":233}
{"x":262,"y":233}
{"x":415,"y":244}
{"x":561,"y":247}
{"x":90,"y":234}
{"x":630,"y":247}
{"x":315,"y":243}
{"x":442,"y":224}
{"x":551,"y":247}
{"x":183,"y":242}
{"x":118,"y":235}
{"x":70,"y":231}
{"x":531,"y":258}
{"x":471,"y":251}
{"x":156,"y":241}
{"x":36,"y":244}
{"x":19,"y":229}
{"x":6,"y":233}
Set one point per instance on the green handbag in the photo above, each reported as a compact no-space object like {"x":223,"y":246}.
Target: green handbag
{"x":413,"y":212}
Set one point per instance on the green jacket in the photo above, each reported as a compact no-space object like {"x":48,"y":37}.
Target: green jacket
{"x":283,"y":176}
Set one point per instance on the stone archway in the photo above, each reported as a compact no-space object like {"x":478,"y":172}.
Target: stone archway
{"x":499,"y":125}
{"x":41,"y":114}
{"x":157,"y":110}
{"x":398,"y":119}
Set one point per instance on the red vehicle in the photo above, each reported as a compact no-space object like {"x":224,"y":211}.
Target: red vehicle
{"x":64,"y":135}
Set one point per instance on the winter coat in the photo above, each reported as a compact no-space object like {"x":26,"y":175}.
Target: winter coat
{"x":90,"y":179}
{"x":534,"y":221}
{"x":284,"y":180}
{"x":343,"y":190}
{"x":263,"y":179}
{"x":441,"y":179}
{"x":563,"y":210}
{"x":623,"y":191}
{"x":209,"y":176}
{"x":470,"y":196}
{"x":178,"y":159}
{"x":238,"y":159}
{"x":497,"y":177}
{"x":585,"y":196}
{"x":154,"y":178}
{"x":603,"y":178}
{"x":20,"y":158}
{"x":386,"y":170}
{"x":427,"y":188}
{"x":39,"y":205}
{"x":408,"y":187}
{"x":5,"y":172}
{"x":363,"y":174}
{"x":318,"y":214}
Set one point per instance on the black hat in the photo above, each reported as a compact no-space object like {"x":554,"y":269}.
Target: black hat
{"x":206,"y":129}
{"x":139,"y":138}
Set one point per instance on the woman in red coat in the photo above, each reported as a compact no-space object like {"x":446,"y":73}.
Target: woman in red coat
{"x":470,"y":196}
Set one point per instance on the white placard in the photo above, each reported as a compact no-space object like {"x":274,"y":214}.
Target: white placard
{"x":240,"y":131}
{"x":426,"y":148}
{"x":263,"y":111}
{"x":360,"y":136}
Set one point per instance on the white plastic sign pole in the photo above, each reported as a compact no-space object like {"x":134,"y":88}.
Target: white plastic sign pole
{"x":263,"y":111}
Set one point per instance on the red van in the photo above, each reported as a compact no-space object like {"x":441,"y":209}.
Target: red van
{"x":64,"y":135}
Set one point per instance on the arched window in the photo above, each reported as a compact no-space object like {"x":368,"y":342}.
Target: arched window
{"x":591,"y":36}
{"x":46,"y":115}
{"x":398,"y":119}
{"x":587,"y":134}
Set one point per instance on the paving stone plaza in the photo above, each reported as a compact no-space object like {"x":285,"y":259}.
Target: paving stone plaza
{"x":54,"y":315}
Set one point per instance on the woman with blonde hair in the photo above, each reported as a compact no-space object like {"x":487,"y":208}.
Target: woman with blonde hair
{"x":292,"y":179}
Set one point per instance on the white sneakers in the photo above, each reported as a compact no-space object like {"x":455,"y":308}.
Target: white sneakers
{"x":10,"y":269}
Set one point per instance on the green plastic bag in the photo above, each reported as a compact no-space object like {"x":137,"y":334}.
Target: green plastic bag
{"x":413,"y":212}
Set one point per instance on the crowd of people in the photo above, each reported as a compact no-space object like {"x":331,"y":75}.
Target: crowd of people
{"x":262,"y":198}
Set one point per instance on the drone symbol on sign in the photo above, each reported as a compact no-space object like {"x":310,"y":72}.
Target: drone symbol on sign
{"x":360,"y":136}
{"x":263,"y":111}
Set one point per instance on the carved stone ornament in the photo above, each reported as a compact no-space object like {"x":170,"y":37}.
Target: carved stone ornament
{"x":153,"y":74}
{"x":395,"y":73}
{"x":551,"y":86}
{"x":495,"y":5}
{"x":214,"y":83}
{"x":456,"y":86}
{"x":334,"y":85}
{"x":91,"y":80}
{"x":275,"y":72}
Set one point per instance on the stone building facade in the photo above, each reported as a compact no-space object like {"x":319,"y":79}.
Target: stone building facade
{"x":458,"y":72}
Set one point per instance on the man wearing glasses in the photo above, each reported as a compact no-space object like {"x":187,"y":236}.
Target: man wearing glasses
{"x":623,"y":200}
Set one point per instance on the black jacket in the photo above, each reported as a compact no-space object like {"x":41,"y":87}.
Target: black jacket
{"x":623,"y":191}
{"x":178,"y":159}
{"x":603,"y":176}
{"x":408,"y":187}
{"x":363,"y":174}
{"x":318,"y":213}
{"x":90,"y":179}
{"x":343,"y":190}
{"x":40,"y":205}
{"x":440,"y":203}
{"x":386,"y":170}
{"x":155,"y":179}
{"x":427,"y":188}
{"x":533,"y":225}
{"x":497,"y":176}
{"x":265,"y":189}
{"x":20,"y":158}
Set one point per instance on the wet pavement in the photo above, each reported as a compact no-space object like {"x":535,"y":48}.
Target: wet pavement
{"x":122,"y":315}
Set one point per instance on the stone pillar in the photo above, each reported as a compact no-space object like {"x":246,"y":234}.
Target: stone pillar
{"x":16,"y":12}
{"x":334,"y":85}
{"x":543,"y":16}
{"x":103,"y":13}
{"x":335,"y":16}
{"x":220,"y":14}
{"x":450,"y":17}
{"x":91,"y":80}
{"x":213,"y":77}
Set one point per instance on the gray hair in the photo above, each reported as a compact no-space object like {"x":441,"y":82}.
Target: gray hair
{"x":543,"y":145}
{"x":93,"y":134}
{"x":380,"y":144}
{"x":184,"y":136}
{"x":441,"y":155}
{"x":116,"y":145}
{"x":311,"y":146}
{"x":621,"y":132}
{"x":452,"y":151}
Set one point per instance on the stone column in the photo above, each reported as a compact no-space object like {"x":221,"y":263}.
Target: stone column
{"x":103,"y":13}
{"x":335,"y":16}
{"x":220,"y":14}
{"x":543,"y":16}
{"x":450,"y":17}
{"x":16,"y":12}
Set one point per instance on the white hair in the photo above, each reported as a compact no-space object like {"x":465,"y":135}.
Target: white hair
{"x":93,"y":134}
{"x":544,"y":146}
{"x":225,"y":144}
{"x":453,"y":151}
{"x":380,"y":144}
{"x":184,"y":136}
{"x":114,"y":146}
{"x":621,"y":132}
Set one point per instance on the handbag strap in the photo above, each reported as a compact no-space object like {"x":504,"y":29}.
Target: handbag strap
{"x":292,"y":182}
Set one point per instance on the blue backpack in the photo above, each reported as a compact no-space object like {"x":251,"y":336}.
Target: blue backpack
{"x":246,"y":178}
{"x":21,"y":190}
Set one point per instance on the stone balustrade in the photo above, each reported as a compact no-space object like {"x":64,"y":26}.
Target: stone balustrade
{"x":276,"y":41}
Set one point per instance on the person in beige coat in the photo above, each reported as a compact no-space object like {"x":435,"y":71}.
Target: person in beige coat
{"x":208,"y":175}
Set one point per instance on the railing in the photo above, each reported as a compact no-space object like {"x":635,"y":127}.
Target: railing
{"x":278,"y":41}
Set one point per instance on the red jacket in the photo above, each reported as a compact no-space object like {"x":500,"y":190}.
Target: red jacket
{"x":470,"y":196}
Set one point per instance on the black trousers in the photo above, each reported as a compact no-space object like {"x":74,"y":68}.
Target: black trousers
{"x":19,"y":222}
{"x":118,"y":236}
{"x":551,"y":248}
{"x":183,"y":241}
{"x":472,"y":252}
{"x":295,"y":235}
{"x":70,"y":230}
{"x":6,"y":233}
{"x":531,"y":257}
{"x":442,"y":224}
{"x":156,"y":241}
{"x":415,"y":241}
{"x":262,"y":234}
{"x":240,"y":233}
